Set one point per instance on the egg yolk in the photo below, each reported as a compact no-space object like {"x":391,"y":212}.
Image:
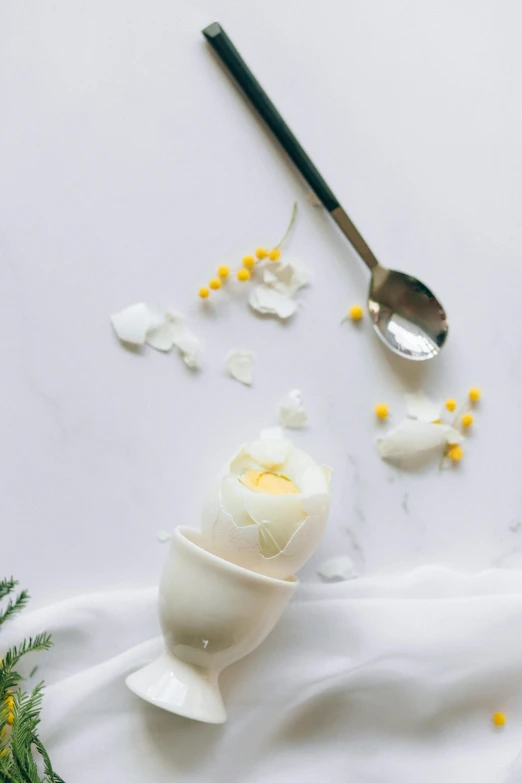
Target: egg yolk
{"x":268,"y":483}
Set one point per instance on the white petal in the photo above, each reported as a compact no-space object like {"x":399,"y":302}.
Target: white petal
{"x":240,"y":366}
{"x":132,"y":323}
{"x":267,"y":301}
{"x":420,"y":407}
{"x":337,"y":569}
{"x":291,"y":411}
{"x":413,"y":443}
{"x":287,"y":276}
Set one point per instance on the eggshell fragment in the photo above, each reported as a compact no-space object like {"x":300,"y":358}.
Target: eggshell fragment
{"x":337,"y":569}
{"x":189,"y":347}
{"x":420,"y":407}
{"x":267,"y":301}
{"x":132,"y":323}
{"x":414,"y":443}
{"x":287,"y":276}
{"x":240,"y":365}
{"x":291,"y":410}
{"x":167,"y":327}
{"x":281,"y":281}
{"x":170,"y":329}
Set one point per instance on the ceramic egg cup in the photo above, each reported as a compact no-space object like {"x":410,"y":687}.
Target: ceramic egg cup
{"x":212,"y":613}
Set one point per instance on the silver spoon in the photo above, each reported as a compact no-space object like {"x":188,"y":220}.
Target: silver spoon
{"x":405,"y":314}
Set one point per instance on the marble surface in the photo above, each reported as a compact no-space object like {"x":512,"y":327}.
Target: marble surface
{"x":130,"y":168}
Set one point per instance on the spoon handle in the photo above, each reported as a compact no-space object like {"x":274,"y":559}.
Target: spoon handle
{"x":230,"y":57}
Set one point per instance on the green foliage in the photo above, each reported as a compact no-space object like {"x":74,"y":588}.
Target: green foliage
{"x":22,"y":754}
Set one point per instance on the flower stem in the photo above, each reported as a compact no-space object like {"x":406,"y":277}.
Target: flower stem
{"x":289,"y":227}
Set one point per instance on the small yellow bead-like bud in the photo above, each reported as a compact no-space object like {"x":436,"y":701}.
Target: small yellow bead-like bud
{"x":9,"y":702}
{"x":467,"y":420}
{"x":450,"y":404}
{"x":381,"y":411}
{"x":474,"y":394}
{"x":356,"y":312}
{"x":274,"y":254}
{"x":203,"y":292}
{"x":215,"y":283}
{"x":261,"y":253}
{"x":249,"y":262}
{"x":243,"y":275}
{"x":223,"y":271}
{"x":499,"y":719}
{"x":3,"y":752}
{"x":455,"y":454}
{"x":10,"y":718}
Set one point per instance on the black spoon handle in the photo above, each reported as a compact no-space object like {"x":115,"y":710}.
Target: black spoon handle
{"x":228,"y":54}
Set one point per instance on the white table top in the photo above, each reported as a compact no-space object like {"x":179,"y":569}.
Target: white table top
{"x":130,"y":167}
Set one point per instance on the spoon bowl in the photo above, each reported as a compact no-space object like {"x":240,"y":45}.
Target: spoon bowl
{"x":406,"y":315}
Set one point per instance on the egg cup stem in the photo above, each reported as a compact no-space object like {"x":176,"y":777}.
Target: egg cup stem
{"x":212,"y":613}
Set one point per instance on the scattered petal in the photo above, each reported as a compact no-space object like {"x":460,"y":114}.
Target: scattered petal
{"x":132,"y":323}
{"x":337,"y":569}
{"x":266,"y":300}
{"x":414,"y":443}
{"x":291,"y":411}
{"x":420,"y":407}
{"x":240,"y":366}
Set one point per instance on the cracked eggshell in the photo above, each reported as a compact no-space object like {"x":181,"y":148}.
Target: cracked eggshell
{"x":420,"y":407}
{"x":270,"y":534}
{"x":292,"y":413}
{"x":166,"y":328}
{"x":287,"y":276}
{"x":132,"y":323}
{"x":414,"y":443}
{"x":337,"y":569}
{"x":266,"y":300}
{"x":169,"y":329}
{"x":240,"y":365}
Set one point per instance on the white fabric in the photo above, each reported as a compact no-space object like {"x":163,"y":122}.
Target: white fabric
{"x":383,"y":680}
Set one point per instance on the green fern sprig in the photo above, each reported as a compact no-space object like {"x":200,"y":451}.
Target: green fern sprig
{"x":15,"y":605}
{"x":19,"y":710}
{"x":7,"y":586}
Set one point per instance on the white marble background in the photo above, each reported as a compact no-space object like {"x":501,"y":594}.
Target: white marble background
{"x":130,"y":167}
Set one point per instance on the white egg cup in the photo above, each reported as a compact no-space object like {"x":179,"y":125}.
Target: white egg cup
{"x":212,"y":613}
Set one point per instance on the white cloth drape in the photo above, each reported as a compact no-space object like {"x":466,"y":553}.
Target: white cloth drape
{"x":379,"y":680}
